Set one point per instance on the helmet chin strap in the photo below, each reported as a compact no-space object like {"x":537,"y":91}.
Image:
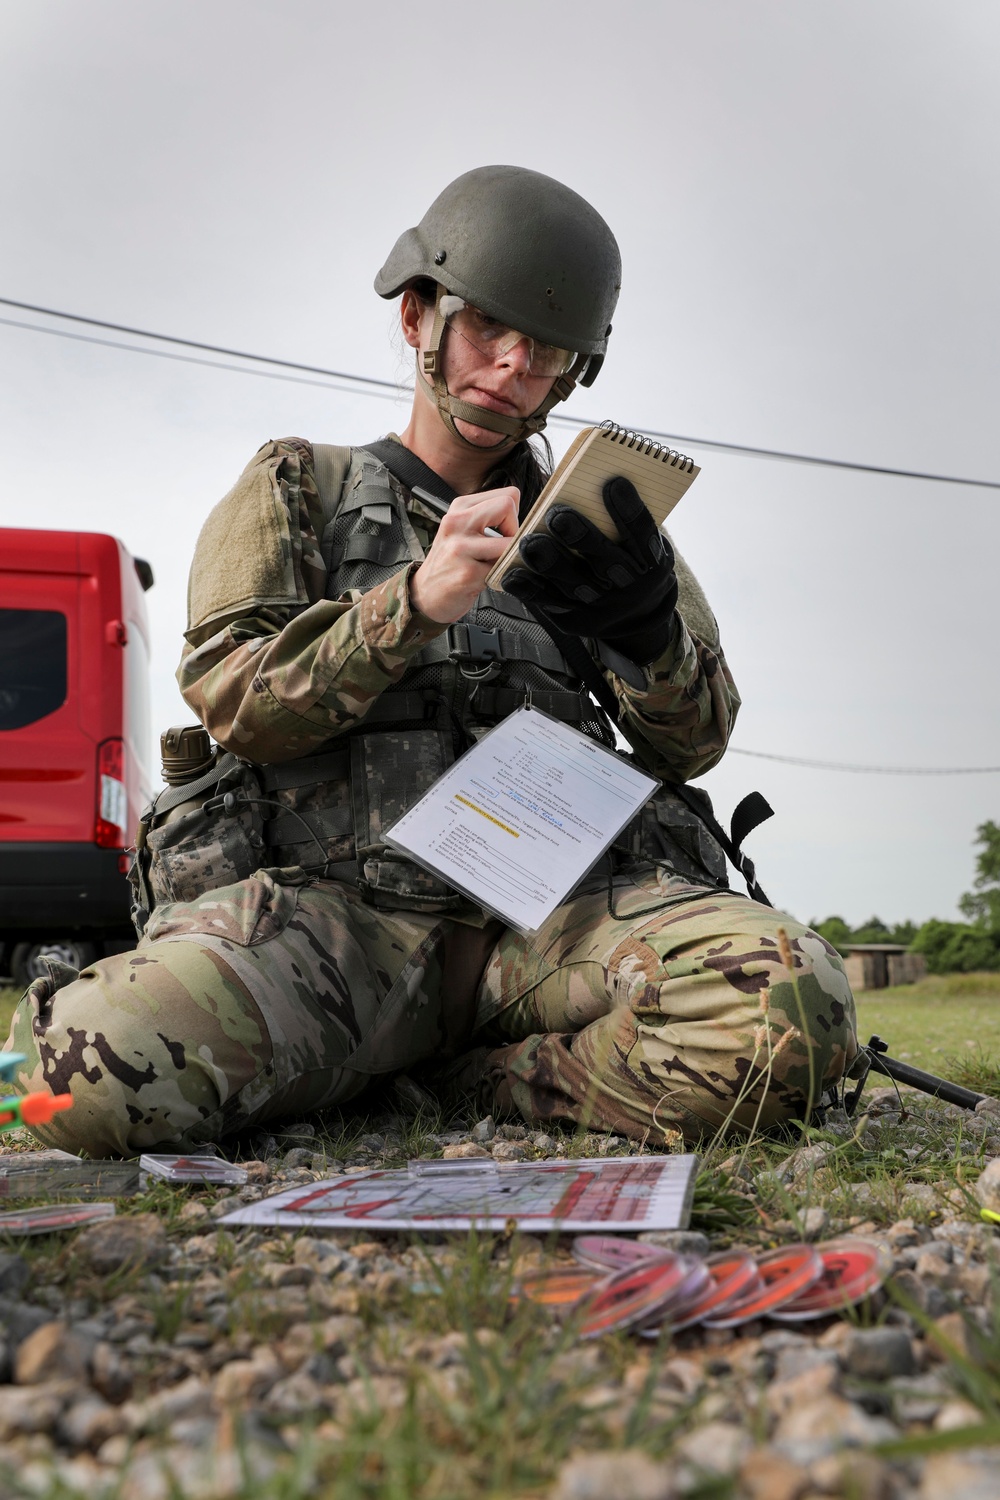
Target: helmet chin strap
{"x":452,"y":410}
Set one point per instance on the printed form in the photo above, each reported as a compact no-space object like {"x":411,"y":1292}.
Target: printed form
{"x":522,"y":816}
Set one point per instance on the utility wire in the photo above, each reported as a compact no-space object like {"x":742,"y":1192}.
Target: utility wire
{"x":392,"y":392}
{"x":839,"y":765}
{"x":167,"y":338}
{"x":372,"y":386}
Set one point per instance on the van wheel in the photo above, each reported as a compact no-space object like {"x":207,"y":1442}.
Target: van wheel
{"x":25,"y":962}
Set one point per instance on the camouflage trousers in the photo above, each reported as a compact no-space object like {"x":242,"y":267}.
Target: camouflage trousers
{"x":280,"y":995}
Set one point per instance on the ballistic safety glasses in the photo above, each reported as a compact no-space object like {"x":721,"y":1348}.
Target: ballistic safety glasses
{"x":494,"y":339}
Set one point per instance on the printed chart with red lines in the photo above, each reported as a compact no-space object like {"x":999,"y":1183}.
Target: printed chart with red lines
{"x":626,"y":1193}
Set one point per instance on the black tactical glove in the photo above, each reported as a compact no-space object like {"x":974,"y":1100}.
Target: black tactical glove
{"x":623,"y":593}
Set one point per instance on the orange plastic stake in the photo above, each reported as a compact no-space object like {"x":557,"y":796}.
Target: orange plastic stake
{"x":32,"y":1109}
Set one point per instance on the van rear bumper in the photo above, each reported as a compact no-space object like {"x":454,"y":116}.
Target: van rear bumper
{"x":72,"y":887}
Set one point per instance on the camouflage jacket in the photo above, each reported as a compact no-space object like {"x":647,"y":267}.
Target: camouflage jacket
{"x":277,"y":671}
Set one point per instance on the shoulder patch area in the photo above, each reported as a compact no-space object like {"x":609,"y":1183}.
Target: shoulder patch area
{"x":246,"y":552}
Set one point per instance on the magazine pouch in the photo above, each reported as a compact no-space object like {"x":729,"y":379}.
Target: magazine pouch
{"x":390,"y":771}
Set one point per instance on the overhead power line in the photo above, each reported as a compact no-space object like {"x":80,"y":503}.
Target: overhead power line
{"x":372,"y":386}
{"x":392,"y":392}
{"x":840,"y":765}
{"x":167,"y":338}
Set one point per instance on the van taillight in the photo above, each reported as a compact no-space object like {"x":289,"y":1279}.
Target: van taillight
{"x":111,"y":828}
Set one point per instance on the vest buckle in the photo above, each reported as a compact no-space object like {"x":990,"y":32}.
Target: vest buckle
{"x":477,"y":652}
{"x":478,"y":645}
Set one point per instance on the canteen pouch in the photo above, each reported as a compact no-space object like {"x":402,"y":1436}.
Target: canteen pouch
{"x":197,"y":838}
{"x":390,"y":771}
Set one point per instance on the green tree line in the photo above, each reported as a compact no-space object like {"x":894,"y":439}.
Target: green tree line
{"x":948,"y":947}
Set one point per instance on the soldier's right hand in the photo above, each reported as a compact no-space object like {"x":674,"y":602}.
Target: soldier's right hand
{"x":446,"y":584}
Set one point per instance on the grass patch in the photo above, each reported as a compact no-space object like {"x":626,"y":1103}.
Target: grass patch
{"x":978,"y":1070}
{"x":921,"y":1165}
{"x":944,"y":1017}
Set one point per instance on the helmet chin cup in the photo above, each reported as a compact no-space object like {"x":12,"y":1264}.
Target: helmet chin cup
{"x":436,"y":391}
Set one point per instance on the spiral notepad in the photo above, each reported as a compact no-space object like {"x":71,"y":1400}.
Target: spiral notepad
{"x":596,"y":455}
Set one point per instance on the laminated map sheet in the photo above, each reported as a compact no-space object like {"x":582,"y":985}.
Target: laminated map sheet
{"x":629,"y":1194}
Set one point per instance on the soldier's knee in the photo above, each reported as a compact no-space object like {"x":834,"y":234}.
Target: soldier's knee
{"x":149,"y":1044}
{"x":809,"y":959}
{"x":809,"y":1013}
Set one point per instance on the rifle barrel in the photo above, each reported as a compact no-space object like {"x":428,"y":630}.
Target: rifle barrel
{"x":928,"y":1083}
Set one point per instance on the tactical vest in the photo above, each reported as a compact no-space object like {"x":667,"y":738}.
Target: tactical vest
{"x":329,"y":812}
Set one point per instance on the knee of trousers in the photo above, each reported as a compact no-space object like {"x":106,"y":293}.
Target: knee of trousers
{"x":765,"y":1014}
{"x":718,"y":1009}
{"x":153,"y":1045}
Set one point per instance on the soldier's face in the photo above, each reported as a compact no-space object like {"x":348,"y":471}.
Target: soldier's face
{"x":502,"y":383}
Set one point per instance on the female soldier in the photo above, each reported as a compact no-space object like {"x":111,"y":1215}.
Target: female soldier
{"x":342,"y":644}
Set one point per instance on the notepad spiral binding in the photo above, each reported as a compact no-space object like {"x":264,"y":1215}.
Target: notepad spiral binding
{"x":630,"y":439}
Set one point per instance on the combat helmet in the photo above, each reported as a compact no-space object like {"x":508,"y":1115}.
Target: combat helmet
{"x":526,"y":250}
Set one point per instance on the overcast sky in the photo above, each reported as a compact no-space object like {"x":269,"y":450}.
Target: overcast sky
{"x":806,"y":201}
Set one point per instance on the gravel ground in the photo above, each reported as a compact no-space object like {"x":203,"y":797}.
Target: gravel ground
{"x":159,"y":1355}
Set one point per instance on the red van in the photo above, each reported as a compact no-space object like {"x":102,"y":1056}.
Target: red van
{"x":74,"y":743}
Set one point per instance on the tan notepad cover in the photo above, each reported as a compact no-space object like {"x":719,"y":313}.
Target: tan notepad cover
{"x":596,"y":455}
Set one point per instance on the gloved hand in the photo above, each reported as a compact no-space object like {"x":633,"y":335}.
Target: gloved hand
{"x":623,"y":593}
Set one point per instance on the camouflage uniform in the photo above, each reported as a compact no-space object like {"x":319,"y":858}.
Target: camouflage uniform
{"x":669,"y":1007}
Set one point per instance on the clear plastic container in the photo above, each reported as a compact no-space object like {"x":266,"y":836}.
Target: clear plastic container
{"x":193,"y":1168}
{"x":458,"y":1166}
{"x":53,"y":1216}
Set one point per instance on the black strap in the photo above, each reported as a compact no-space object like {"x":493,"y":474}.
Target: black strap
{"x":570,"y":708}
{"x":374,"y":547}
{"x":410,"y":470}
{"x":750,"y":813}
{"x":396,"y":705}
{"x":329,"y":765}
{"x":747,"y":815}
{"x":285,"y":828}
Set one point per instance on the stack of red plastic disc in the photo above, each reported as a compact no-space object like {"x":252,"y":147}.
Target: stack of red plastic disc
{"x":621,"y":1283}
